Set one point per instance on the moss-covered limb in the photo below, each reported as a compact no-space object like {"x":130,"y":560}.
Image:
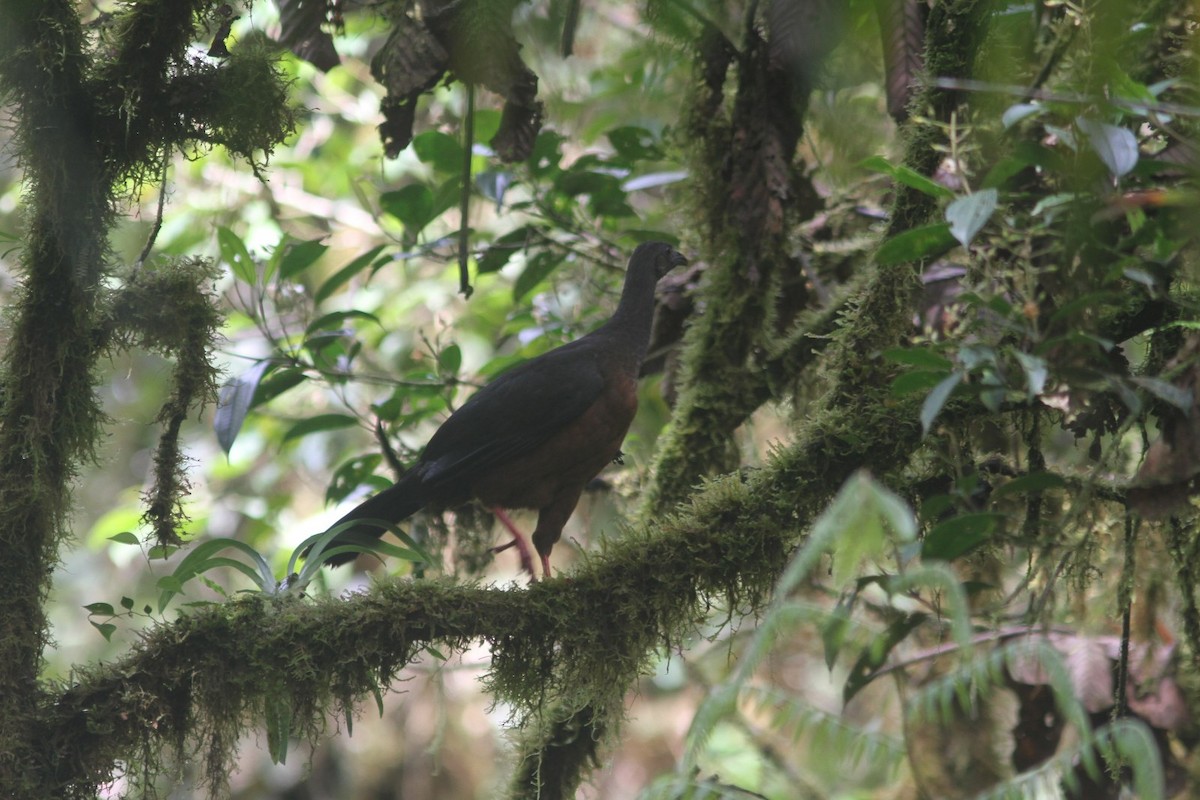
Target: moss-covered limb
{"x":560,"y":753}
{"x":169,"y":308}
{"x":749,"y":194}
{"x":646,"y":590}
{"x":48,"y":416}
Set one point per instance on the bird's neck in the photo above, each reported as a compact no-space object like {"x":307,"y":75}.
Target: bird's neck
{"x":629,"y":326}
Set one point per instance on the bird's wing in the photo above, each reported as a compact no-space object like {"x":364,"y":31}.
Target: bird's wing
{"x":514,"y":414}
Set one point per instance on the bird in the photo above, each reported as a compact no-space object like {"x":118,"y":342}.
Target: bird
{"x":536,"y":435}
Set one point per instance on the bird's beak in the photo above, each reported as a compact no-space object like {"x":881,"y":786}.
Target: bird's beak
{"x":677,"y":259}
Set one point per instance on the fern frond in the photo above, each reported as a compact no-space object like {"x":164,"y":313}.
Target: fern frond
{"x":1125,"y":742}
{"x":827,"y":733}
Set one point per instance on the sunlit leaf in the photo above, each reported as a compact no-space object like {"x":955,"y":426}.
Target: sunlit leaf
{"x":236,"y":256}
{"x":125,"y":537}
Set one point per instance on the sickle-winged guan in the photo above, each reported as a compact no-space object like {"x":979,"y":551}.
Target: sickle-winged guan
{"x":536,"y":435}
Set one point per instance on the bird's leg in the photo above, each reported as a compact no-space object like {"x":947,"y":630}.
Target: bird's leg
{"x":518,"y":541}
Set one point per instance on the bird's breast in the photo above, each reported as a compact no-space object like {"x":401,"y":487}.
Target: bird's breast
{"x":570,"y":458}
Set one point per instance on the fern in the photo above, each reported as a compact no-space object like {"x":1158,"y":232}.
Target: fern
{"x":1126,"y":741}
{"x":826,"y":732}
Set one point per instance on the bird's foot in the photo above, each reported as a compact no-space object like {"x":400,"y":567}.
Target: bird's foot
{"x":517,"y":541}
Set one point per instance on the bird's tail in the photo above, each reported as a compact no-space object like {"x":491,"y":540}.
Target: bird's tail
{"x":394,"y":504}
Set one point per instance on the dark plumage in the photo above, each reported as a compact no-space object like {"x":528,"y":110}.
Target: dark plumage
{"x":536,"y":435}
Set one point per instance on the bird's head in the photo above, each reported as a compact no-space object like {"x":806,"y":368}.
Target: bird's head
{"x":658,"y":256}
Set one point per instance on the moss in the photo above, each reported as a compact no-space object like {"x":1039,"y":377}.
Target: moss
{"x":171,"y":309}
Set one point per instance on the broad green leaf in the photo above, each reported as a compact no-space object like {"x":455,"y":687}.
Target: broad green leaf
{"x":343,"y":275}
{"x":318,"y":424}
{"x":334,"y":320}
{"x":107,"y":629}
{"x":907,"y":176}
{"x":125,"y":537}
{"x":450,"y":360}
{"x":536,"y":271}
{"x":635,"y":144}
{"x":236,"y":256}
{"x":104,"y":609}
{"x":967,"y":215}
{"x":923,"y":357}
{"x":275,"y":384}
{"x":299,"y":256}
{"x":503,"y":248}
{"x":959,"y":535}
{"x":875,"y":656}
{"x":1117,"y":147}
{"x":1033,"y":482}
{"x":926,"y":242}
{"x":916,"y":381}
{"x":235,"y":400}
{"x":127,"y":603}
{"x":440,"y":150}
{"x":412,"y":205}
{"x":937,"y":399}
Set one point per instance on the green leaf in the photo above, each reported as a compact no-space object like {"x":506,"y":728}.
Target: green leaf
{"x":343,"y":275}
{"x":276,"y":384}
{"x":107,"y":629}
{"x":923,"y":357}
{"x":235,"y":400}
{"x":1117,"y":147}
{"x":333,"y":321}
{"x":125,"y":537}
{"x":103,"y":609}
{"x":1027,"y":484}
{"x":412,"y":205}
{"x":236,"y":256}
{"x":937,"y":399}
{"x":318,"y":424}
{"x":536,"y":271}
{"x":503,"y":248}
{"x":278,"y":710}
{"x":907,"y":176}
{"x":967,"y":215}
{"x":926,"y":242}
{"x":959,"y":535}
{"x":635,"y":144}
{"x":299,"y":256}
{"x":203,"y":557}
{"x":875,"y":656}
{"x":440,"y":150}
{"x":916,"y":382}
{"x":127,"y":603}
{"x":450,"y":360}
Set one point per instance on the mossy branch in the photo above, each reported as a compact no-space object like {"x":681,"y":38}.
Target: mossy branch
{"x":171,"y":309}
